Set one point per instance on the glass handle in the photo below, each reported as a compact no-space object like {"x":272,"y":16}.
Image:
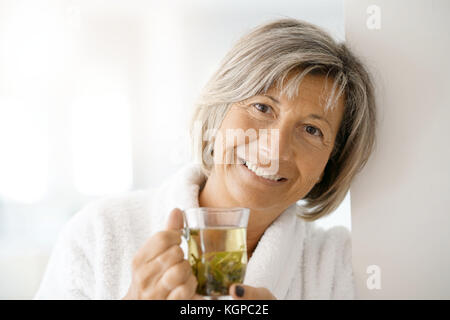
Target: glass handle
{"x":185,"y":230}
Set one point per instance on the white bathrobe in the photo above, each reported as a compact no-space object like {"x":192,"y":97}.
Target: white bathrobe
{"x":92,"y":256}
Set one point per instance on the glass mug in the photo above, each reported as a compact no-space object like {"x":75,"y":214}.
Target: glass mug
{"x":217,"y":248}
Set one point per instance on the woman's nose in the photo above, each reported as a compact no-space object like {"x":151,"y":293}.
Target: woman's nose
{"x":285,"y":141}
{"x":276,"y":144}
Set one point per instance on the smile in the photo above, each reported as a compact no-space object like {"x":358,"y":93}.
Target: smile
{"x":261,"y":172}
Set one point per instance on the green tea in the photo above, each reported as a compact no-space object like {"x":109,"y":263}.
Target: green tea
{"x":218,"y":257}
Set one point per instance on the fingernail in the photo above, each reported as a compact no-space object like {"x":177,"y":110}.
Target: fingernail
{"x":239,"y":291}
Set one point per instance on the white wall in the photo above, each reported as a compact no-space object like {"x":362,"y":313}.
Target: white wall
{"x":400,"y":202}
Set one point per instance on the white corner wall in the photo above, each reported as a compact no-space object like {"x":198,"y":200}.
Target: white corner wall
{"x":400,"y":202}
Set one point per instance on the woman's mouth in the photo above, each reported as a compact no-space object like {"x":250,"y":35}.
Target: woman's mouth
{"x":261,"y":174}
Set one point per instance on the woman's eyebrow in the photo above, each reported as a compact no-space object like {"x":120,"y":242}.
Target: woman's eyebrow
{"x":316,"y":116}
{"x":272,"y":98}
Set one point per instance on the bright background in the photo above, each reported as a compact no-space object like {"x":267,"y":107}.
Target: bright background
{"x":94,"y":100}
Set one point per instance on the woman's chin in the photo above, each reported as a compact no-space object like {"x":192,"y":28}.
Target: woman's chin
{"x":249,"y":190}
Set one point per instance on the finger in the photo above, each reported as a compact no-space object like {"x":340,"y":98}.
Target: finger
{"x":151,"y":272}
{"x":170,"y":257}
{"x":175,"y":276}
{"x":185,"y":291}
{"x":156,"y":245}
{"x":243,"y":292}
{"x":175,"y":220}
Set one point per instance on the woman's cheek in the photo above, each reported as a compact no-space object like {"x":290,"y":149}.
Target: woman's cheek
{"x":224,"y":145}
{"x":220,"y":148}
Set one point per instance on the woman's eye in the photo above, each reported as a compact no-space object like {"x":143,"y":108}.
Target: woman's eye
{"x":262,"y":107}
{"x":313,"y":131}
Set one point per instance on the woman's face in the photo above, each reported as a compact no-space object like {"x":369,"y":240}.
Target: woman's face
{"x":273,"y":168}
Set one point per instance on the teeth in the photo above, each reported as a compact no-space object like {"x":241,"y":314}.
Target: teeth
{"x":261,"y":173}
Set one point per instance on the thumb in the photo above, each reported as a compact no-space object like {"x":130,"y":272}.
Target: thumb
{"x":241,"y":291}
{"x":175,"y":220}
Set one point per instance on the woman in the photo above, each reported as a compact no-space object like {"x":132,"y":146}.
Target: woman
{"x":307,"y":103}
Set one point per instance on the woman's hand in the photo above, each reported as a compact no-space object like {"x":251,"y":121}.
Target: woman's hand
{"x":159,"y":268}
{"x":243,"y":292}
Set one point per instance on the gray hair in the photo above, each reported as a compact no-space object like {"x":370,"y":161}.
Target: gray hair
{"x":265,"y":57}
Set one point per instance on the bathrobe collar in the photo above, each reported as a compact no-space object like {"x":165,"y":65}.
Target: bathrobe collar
{"x":278,"y":254}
